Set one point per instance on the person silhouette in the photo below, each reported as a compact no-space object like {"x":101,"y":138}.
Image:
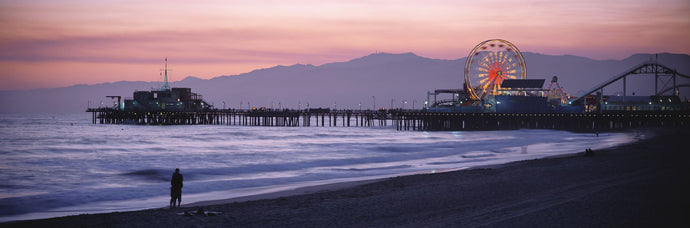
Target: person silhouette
{"x":176,"y":188}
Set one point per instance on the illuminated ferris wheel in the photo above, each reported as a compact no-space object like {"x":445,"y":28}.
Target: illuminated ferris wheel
{"x":489,"y":63}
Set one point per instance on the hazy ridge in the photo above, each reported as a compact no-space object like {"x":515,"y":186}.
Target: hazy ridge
{"x":401,"y":77}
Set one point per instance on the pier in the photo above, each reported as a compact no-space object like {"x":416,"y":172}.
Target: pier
{"x":239,"y":117}
{"x":515,"y":103}
{"x":402,"y":120}
{"x":586,"y":122}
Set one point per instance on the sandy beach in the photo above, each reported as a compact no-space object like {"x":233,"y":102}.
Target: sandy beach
{"x":643,"y":184}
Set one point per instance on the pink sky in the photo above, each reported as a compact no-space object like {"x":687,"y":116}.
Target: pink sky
{"x":62,"y":43}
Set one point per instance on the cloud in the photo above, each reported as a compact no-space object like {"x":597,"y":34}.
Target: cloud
{"x":241,"y":34}
{"x":195,"y":47}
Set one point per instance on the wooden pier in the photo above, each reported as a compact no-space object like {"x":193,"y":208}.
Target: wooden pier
{"x":276,"y":118}
{"x":416,"y":120}
{"x":590,"y":122}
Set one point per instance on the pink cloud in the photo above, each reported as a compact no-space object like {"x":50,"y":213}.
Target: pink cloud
{"x":231,"y":37}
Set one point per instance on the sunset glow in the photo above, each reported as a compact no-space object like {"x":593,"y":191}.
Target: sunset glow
{"x":62,"y":43}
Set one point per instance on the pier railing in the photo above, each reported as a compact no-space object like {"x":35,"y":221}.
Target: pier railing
{"x":399,"y":119}
{"x":586,"y":122}
{"x":240,"y":117}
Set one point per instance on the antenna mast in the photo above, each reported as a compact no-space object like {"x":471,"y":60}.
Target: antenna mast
{"x":165,"y":81}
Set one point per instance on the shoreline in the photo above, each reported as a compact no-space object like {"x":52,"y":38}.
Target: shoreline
{"x":309,"y":189}
{"x":395,"y":200}
{"x":534,"y":150}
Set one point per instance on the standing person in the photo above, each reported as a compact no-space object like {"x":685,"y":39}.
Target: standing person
{"x":176,"y":188}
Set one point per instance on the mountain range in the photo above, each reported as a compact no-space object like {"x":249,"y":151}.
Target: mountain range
{"x":384,"y":78}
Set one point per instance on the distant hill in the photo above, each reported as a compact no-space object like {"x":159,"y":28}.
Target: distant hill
{"x":398,"y":77}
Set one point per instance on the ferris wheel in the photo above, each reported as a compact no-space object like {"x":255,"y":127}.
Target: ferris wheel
{"x":488,"y":64}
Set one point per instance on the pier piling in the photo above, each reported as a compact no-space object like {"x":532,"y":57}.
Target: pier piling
{"x":402,"y":120}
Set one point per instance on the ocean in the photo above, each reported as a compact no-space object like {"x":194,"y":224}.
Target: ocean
{"x":62,"y":164}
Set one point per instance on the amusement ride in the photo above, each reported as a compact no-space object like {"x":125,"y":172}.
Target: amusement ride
{"x":488,"y":64}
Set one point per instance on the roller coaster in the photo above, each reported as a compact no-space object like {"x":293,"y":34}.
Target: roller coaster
{"x":495,"y":82}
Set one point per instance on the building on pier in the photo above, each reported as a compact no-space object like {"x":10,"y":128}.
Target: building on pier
{"x":513,"y":96}
{"x":163,"y":99}
{"x":173,"y":99}
{"x":642,"y":103}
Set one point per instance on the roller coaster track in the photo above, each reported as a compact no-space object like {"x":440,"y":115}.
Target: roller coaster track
{"x":648,"y":67}
{"x":671,"y":88}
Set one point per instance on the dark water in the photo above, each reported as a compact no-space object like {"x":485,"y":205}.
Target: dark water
{"x":61,"y":164}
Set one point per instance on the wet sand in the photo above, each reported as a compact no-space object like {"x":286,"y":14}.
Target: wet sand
{"x":643,"y":184}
